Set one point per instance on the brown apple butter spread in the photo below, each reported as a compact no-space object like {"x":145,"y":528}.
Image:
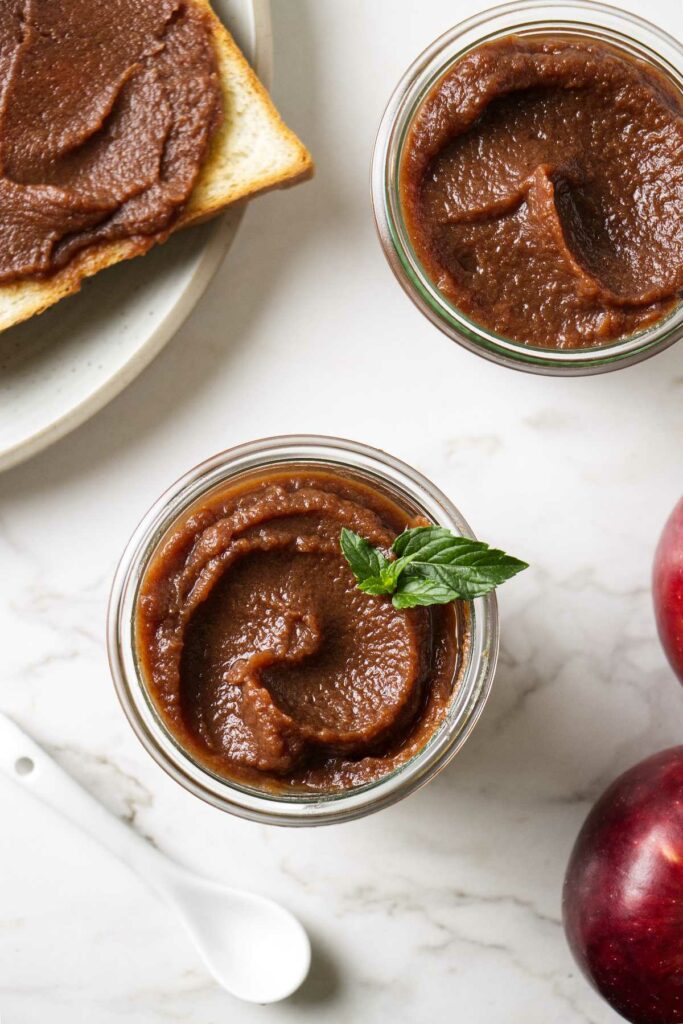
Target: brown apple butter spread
{"x":542,"y":186}
{"x":107,"y":108}
{"x":265,"y":661}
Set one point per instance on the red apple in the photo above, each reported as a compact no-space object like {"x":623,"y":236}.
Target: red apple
{"x":667,"y":589}
{"x":623,"y":892}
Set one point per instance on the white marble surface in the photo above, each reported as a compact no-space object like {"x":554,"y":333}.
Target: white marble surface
{"x":447,"y":905}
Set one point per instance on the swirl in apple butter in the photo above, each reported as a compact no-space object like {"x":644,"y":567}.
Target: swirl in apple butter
{"x":542,"y":188}
{"x":265,"y":661}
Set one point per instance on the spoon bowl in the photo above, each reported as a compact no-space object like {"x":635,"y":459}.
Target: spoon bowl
{"x":253,"y":947}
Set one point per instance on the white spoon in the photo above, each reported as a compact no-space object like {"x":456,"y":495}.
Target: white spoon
{"x":253,"y":947}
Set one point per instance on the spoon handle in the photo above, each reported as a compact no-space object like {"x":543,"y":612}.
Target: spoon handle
{"x":22,"y":760}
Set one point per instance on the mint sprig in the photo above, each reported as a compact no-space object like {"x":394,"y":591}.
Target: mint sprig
{"x":432,"y":566}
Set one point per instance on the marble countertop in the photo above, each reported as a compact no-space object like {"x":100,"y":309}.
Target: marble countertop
{"x":448,"y":903}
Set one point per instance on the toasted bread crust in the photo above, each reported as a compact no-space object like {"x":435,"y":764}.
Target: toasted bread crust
{"x":213,"y":193}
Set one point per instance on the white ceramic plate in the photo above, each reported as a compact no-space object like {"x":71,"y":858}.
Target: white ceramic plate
{"x":58,"y":369}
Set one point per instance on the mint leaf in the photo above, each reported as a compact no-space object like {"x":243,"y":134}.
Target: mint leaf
{"x":426,"y":539}
{"x":414,"y":591}
{"x":433,"y":566}
{"x":468,"y":567}
{"x":367,"y":563}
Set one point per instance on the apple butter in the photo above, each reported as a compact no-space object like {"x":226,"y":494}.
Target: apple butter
{"x":264,"y":660}
{"x":107,"y":109}
{"x":542,"y":189}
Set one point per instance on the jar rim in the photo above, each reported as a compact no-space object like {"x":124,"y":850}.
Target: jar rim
{"x":620,"y":28}
{"x":474,"y":681}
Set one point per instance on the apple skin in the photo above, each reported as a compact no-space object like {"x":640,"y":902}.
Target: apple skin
{"x":623,"y":892}
{"x":667,"y":589}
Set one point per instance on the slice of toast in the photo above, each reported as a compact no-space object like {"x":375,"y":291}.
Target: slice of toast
{"x":253,"y":151}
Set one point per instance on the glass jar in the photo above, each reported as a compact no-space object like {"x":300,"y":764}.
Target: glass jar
{"x":582,"y":18}
{"x":479,"y":624}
